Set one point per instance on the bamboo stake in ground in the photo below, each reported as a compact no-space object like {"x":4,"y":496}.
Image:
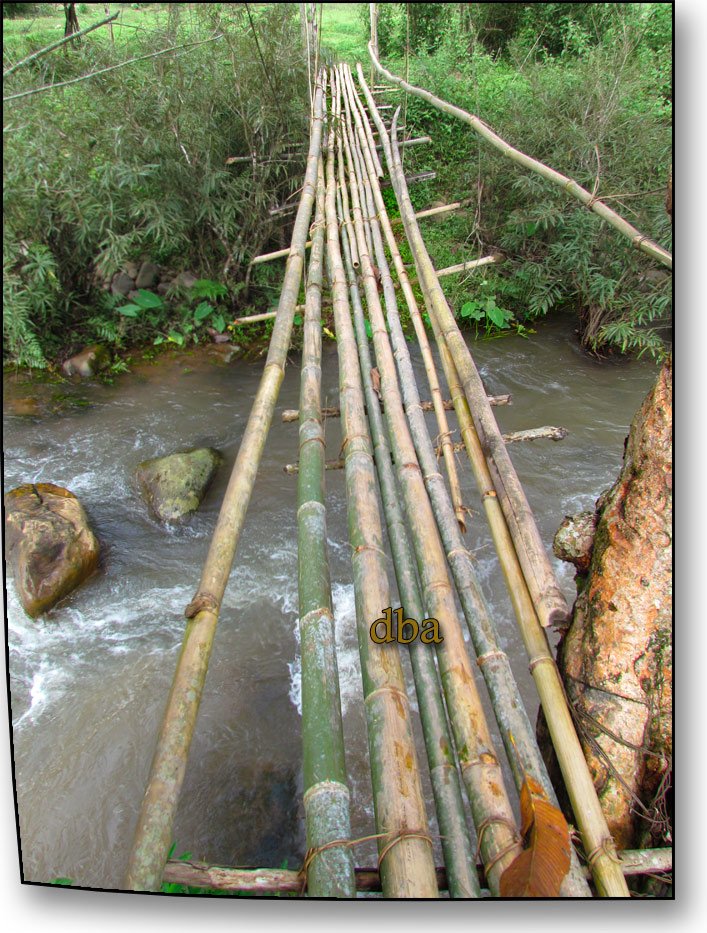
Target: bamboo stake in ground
{"x":640,"y":241}
{"x":153,"y":836}
{"x":405,"y":851}
{"x":330,"y":873}
{"x":491,"y":809}
{"x":456,"y":843}
{"x":590,"y":818}
{"x":516,"y":730}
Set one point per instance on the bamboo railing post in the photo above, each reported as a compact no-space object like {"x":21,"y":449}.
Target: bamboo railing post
{"x":456,"y":842}
{"x":493,"y":815}
{"x":405,"y":850}
{"x":330,"y":873}
{"x":153,"y":836}
{"x":590,"y":818}
{"x":640,"y":241}
{"x":516,"y":730}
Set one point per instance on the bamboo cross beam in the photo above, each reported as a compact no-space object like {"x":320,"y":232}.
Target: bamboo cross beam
{"x":471,"y":264}
{"x":634,"y":862}
{"x":277,"y":254}
{"x":639,"y":240}
{"x":442,"y":209}
{"x":413,"y":179}
{"x":547,"y":432}
{"x":292,"y":414}
{"x":416,"y":141}
{"x":154,"y":833}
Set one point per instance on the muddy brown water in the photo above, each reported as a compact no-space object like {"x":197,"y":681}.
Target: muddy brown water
{"x":90,"y":680}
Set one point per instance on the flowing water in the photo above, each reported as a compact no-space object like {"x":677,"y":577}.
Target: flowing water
{"x":89,"y":681}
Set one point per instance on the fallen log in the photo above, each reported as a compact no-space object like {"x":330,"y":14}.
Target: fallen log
{"x":532,"y":434}
{"x":292,"y":414}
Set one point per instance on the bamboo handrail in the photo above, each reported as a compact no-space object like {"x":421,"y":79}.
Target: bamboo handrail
{"x":491,"y":809}
{"x":326,"y":794}
{"x":590,"y":818}
{"x":590,"y":201}
{"x":456,"y":842}
{"x":516,"y":730}
{"x":153,"y":836}
{"x":407,"y":866}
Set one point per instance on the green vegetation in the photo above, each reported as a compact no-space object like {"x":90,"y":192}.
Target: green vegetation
{"x":154,"y":160}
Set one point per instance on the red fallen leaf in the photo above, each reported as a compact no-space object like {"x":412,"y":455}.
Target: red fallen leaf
{"x":540,"y":868}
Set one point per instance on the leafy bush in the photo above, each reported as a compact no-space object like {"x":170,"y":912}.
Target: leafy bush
{"x":155,"y":159}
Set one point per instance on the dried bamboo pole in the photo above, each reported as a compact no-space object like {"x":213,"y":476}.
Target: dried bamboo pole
{"x":292,"y":414}
{"x":549,"y":599}
{"x":456,"y":842}
{"x":56,"y":45}
{"x":326,"y":794}
{"x":595,"y":834}
{"x":471,"y":264}
{"x":417,"y":141}
{"x":405,"y":852}
{"x":277,"y":254}
{"x":153,"y":836}
{"x":273,"y":880}
{"x":443,"y":209}
{"x":491,"y":809}
{"x":445,"y":434}
{"x":516,"y":731}
{"x":640,"y":241}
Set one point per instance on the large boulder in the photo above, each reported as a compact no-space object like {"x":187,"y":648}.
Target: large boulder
{"x":616,"y":658}
{"x":173,"y":486}
{"x":50,"y":546}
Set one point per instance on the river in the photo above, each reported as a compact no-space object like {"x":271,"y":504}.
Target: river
{"x":89,"y":681}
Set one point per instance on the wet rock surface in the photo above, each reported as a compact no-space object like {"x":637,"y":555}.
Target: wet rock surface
{"x":174,"y":486}
{"x":51,"y":548}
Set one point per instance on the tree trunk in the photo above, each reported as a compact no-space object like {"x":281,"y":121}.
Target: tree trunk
{"x":72,"y":22}
{"x":616,"y":658}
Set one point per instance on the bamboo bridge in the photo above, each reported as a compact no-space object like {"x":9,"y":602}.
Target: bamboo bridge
{"x":342,"y":219}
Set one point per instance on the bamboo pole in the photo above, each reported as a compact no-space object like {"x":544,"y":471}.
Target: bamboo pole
{"x":549,"y":599}
{"x":456,"y":842}
{"x":471,"y":264}
{"x":491,"y":809}
{"x":417,"y":141}
{"x":277,"y":254}
{"x":590,"y":818}
{"x":443,"y":209}
{"x":516,"y":731}
{"x":326,"y":794}
{"x":430,"y":370}
{"x":283,"y":880}
{"x":56,"y":45}
{"x":292,"y":414}
{"x":153,"y":836}
{"x":640,"y":241}
{"x":405,"y":851}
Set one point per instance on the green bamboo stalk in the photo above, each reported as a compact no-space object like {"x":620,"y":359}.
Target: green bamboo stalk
{"x":153,"y":836}
{"x":640,"y":241}
{"x":326,"y":794}
{"x":549,"y":600}
{"x":407,"y":866}
{"x":515,"y":728}
{"x":456,"y":842}
{"x":481,"y":770}
{"x":590,"y":818}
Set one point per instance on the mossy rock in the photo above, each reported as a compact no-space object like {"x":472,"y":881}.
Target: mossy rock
{"x":51,"y":548}
{"x":174,"y":486}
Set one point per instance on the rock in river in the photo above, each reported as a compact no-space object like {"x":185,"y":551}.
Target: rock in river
{"x":174,"y":486}
{"x":50,"y":546}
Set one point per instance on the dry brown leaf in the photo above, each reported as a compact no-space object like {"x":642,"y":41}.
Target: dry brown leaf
{"x":540,"y":868}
